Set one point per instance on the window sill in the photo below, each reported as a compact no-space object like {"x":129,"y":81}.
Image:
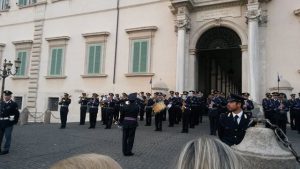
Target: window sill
{"x":20,"y":77}
{"x":4,"y":10}
{"x":139,"y":74}
{"x":55,"y":77}
{"x":94,"y":76}
{"x":32,"y":5}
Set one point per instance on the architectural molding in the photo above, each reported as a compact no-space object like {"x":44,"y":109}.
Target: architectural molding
{"x":142,"y":29}
{"x":58,"y":41}
{"x":139,"y":74}
{"x":55,"y":77}
{"x":95,"y":76}
{"x":23,"y":44}
{"x":96,"y":37}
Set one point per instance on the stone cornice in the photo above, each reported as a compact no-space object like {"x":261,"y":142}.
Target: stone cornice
{"x":58,"y":38}
{"x":2,"y":45}
{"x":142,"y":29}
{"x":96,"y":34}
{"x":21,"y":42}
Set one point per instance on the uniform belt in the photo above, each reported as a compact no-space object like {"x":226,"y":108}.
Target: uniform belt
{"x":4,"y":118}
{"x":148,"y":107}
{"x":130,"y":118}
{"x":64,"y":106}
{"x":93,"y":106}
{"x":83,"y":105}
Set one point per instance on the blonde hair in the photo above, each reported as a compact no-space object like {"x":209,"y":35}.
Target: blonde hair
{"x":209,"y":153}
{"x":87,"y":161}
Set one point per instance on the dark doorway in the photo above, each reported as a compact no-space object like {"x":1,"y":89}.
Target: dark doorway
{"x":219,"y":61}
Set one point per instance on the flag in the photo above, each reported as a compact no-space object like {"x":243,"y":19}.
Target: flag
{"x":150,"y":81}
{"x":278,"y":77}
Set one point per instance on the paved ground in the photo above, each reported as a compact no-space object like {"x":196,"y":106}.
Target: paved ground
{"x":37,"y":146}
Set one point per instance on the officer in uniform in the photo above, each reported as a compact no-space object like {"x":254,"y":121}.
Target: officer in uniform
{"x":158,"y":116}
{"x":268,"y":107}
{"x":142,"y":105}
{"x":148,"y":107}
{"x":177,"y":106}
{"x":164,"y":112}
{"x":64,"y":110}
{"x":110,"y":110}
{"x":123,"y":101}
{"x":117,"y":108}
{"x":281,"y":110}
{"x":186,"y":114}
{"x":83,"y":108}
{"x":129,"y":124}
{"x":214,"y":112}
{"x":248,"y":105}
{"x":9,"y":116}
{"x":297,"y":112}
{"x":103,"y":106}
{"x":292,"y":103}
{"x":94,"y":106}
{"x":232,"y":126}
{"x":171,"y":109}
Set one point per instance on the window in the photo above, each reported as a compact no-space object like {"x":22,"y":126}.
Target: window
{"x":140,"y":56}
{"x":94,"y":60}
{"x":18,"y":100}
{"x":26,"y":2}
{"x":4,"y":5}
{"x":53,"y":103}
{"x":56,"y":61}
{"x":22,"y":56}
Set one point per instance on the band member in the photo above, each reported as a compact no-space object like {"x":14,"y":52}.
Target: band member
{"x":171,"y":109}
{"x":268,"y":106}
{"x":158,"y":114}
{"x":109,"y":110}
{"x":83,"y":107}
{"x":233,"y":126}
{"x":103,"y":106}
{"x":148,"y":108}
{"x":248,"y":105}
{"x":214,"y":112}
{"x":141,"y":103}
{"x":194,"y":106}
{"x":129,"y":123}
{"x":94,"y":106}
{"x":64,"y":109}
{"x":123,"y":101}
{"x":9,"y":116}
{"x":292,"y":104}
{"x":201,"y":103}
{"x":281,"y":110}
{"x":297,"y":112}
{"x":177,"y":106}
{"x":186,"y":113}
{"x":117,"y":108}
{"x":164,"y":112}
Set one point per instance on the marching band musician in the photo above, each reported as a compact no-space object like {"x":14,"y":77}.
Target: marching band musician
{"x":297,"y":112}
{"x":268,"y":107}
{"x":141,"y":102}
{"x":158,"y":115}
{"x":123,"y":100}
{"x":103,"y":109}
{"x":292,"y":104}
{"x":64,"y":109}
{"x":164,"y":112}
{"x":83,"y":107}
{"x":214,"y":112}
{"x":148,"y":109}
{"x":248,"y":105}
{"x":186,"y":112}
{"x":178,"y":104}
{"x":171,"y":109}
{"x":281,"y":110}
{"x":93,"y":105}
{"x":109,"y":110}
{"x":117,"y":107}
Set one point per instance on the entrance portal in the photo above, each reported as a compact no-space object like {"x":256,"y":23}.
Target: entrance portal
{"x":219,"y":61}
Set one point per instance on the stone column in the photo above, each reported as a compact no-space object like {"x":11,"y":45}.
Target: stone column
{"x":245,"y":69}
{"x":182,"y":25}
{"x":192,"y":81}
{"x":253,"y":18}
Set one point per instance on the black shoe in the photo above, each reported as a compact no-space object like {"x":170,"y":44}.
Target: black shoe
{"x":4,"y":152}
{"x":129,"y":154}
{"x":91,"y":127}
{"x":62,"y":127}
{"x":184,"y":132}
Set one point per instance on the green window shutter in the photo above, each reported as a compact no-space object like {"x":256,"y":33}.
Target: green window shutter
{"x":136,"y":57}
{"x":91,"y":60}
{"x":144,"y":56}
{"x":97,"y":59}
{"x":53,"y":62}
{"x":59,"y":55}
{"x":22,"y":2}
{"x":23,"y":64}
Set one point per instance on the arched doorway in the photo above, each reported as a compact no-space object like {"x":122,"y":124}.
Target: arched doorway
{"x":219,"y":61}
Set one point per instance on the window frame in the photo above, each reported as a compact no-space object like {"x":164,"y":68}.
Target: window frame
{"x":62,"y":60}
{"x":28,"y":2}
{"x":102,"y":55}
{"x":21,"y":107}
{"x":131,"y":64}
{"x":6,"y":5}
{"x":27,"y":61}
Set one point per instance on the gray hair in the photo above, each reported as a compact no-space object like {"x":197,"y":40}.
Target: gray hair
{"x":87,"y":161}
{"x":209,"y":153}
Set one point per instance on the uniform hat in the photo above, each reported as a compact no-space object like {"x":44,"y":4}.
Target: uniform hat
{"x":95,"y":94}
{"x":7,"y":93}
{"x":171,"y":92}
{"x":132,"y":96}
{"x":245,"y":94}
{"x":236,"y":98}
{"x":293,"y":94}
{"x":275,"y":93}
{"x":142,"y":92}
{"x":66,"y":94}
{"x":216,"y":92}
{"x":148,"y":94}
{"x":176,"y":93}
{"x":192,"y":91}
{"x":111,"y":94}
{"x":185,"y":92}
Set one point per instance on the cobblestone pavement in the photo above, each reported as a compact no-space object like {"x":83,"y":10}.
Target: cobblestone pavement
{"x":37,"y":146}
